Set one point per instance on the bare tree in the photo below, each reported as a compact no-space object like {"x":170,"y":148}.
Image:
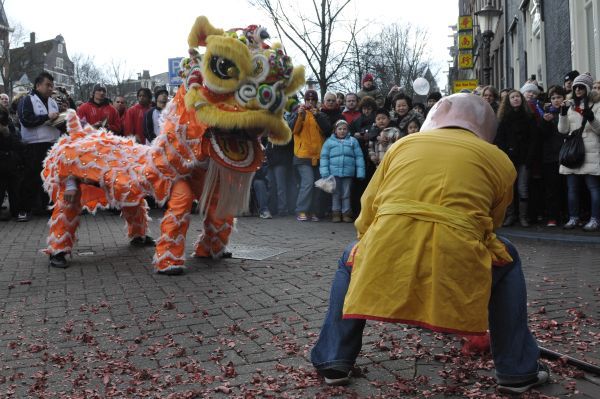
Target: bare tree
{"x":15,"y":39}
{"x":396,"y":56}
{"x":315,"y":34}
{"x":86,"y":75}
{"x":117,"y":73}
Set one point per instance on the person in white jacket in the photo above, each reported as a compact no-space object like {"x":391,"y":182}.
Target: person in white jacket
{"x":583,"y":108}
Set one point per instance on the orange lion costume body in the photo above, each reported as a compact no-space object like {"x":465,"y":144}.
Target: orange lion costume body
{"x":208,"y":149}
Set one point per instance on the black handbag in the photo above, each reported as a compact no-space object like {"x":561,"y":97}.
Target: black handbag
{"x":572,"y":152}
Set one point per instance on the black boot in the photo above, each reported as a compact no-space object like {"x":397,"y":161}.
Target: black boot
{"x":523,"y":207}
{"x":145,"y":241}
{"x":172,"y":271}
{"x":509,"y":219}
{"x":59,"y":260}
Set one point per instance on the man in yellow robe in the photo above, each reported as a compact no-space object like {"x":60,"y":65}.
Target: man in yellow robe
{"x":427,"y":254}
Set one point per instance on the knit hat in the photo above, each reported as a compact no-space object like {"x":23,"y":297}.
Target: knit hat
{"x":99,"y":87}
{"x":368,"y":77}
{"x":571,"y":75}
{"x":311,"y":95}
{"x":530,"y":87}
{"x":341,"y":122}
{"x":584,"y":79}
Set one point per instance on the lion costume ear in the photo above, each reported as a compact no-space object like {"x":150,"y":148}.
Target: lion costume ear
{"x":200,"y":31}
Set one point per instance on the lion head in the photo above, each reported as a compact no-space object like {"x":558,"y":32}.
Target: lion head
{"x":239,"y":84}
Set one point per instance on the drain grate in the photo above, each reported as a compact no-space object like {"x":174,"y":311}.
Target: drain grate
{"x":253,"y":252}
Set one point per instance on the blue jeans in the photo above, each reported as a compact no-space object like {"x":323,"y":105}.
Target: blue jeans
{"x":514,"y":349}
{"x":573,"y":188}
{"x":262,"y":194}
{"x":306,"y":201}
{"x":340,"y":200}
{"x":278,"y":176}
{"x":523,"y":182}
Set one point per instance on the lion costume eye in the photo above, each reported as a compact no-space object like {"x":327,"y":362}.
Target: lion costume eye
{"x":223,"y":68}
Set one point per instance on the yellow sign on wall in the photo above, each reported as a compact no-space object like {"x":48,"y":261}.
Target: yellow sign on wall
{"x":465,"y":22}
{"x":465,"y":60}
{"x":465,"y":40}
{"x":464,"y":84}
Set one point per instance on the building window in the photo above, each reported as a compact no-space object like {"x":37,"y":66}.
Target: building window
{"x":60,"y":48}
{"x":585,"y":33}
{"x":59,"y":63}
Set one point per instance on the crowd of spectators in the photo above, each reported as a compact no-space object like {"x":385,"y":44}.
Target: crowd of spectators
{"x":343,"y":137}
{"x":532,"y":126}
{"x":30,"y":124}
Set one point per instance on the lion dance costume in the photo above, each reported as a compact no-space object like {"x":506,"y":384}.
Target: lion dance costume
{"x":208,"y":149}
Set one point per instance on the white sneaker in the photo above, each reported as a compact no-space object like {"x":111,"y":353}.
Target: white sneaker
{"x":265,"y":215}
{"x":23,"y":217}
{"x":335,"y":377}
{"x":572,"y":223}
{"x":515,"y":389}
{"x":592,"y":225}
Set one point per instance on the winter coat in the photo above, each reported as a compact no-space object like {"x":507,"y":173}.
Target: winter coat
{"x":279,"y":154}
{"x":333,"y":115}
{"x":134,"y":122}
{"x":518,"y":137}
{"x":377,"y":149}
{"x":308,"y":133}
{"x":94,"y":113}
{"x":342,"y":158}
{"x":374,"y":92}
{"x":11,"y":149}
{"x":351,"y":116}
{"x":447,"y":190}
{"x":402,"y":123}
{"x":591,"y":138}
{"x":551,"y":140}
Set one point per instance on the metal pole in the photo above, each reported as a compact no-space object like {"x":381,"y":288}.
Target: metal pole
{"x":585,"y":366}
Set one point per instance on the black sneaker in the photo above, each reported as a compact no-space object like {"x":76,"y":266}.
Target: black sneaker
{"x":172,"y":271}
{"x":335,"y":377}
{"x":542,"y":377}
{"x":59,"y":260}
{"x":145,"y":241}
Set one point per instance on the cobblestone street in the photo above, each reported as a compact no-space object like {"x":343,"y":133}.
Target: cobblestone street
{"x":109,"y":327}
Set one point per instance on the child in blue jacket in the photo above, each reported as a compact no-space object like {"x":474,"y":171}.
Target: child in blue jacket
{"x":342,"y":157}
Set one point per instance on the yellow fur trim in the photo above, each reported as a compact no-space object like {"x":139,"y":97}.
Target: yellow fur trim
{"x":200,"y":31}
{"x":192,"y":97}
{"x":233,"y":50}
{"x":296,"y":81}
{"x":273,"y":123}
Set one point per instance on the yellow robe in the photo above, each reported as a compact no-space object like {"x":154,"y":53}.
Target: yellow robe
{"x":426,"y":241}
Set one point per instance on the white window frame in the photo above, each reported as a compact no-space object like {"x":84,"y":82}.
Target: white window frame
{"x":514,"y":39}
{"x":536,"y":60}
{"x":59,"y":48}
{"x":60,"y":64}
{"x":580,"y":57}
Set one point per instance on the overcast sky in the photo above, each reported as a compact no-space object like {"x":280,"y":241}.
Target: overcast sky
{"x":146,"y":33}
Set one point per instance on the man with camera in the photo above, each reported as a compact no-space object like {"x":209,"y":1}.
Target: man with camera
{"x":309,"y":127}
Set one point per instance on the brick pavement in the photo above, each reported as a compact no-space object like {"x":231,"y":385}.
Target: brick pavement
{"x":108,"y":326}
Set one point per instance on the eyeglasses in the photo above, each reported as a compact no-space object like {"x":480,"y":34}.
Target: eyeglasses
{"x":579,"y":88}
